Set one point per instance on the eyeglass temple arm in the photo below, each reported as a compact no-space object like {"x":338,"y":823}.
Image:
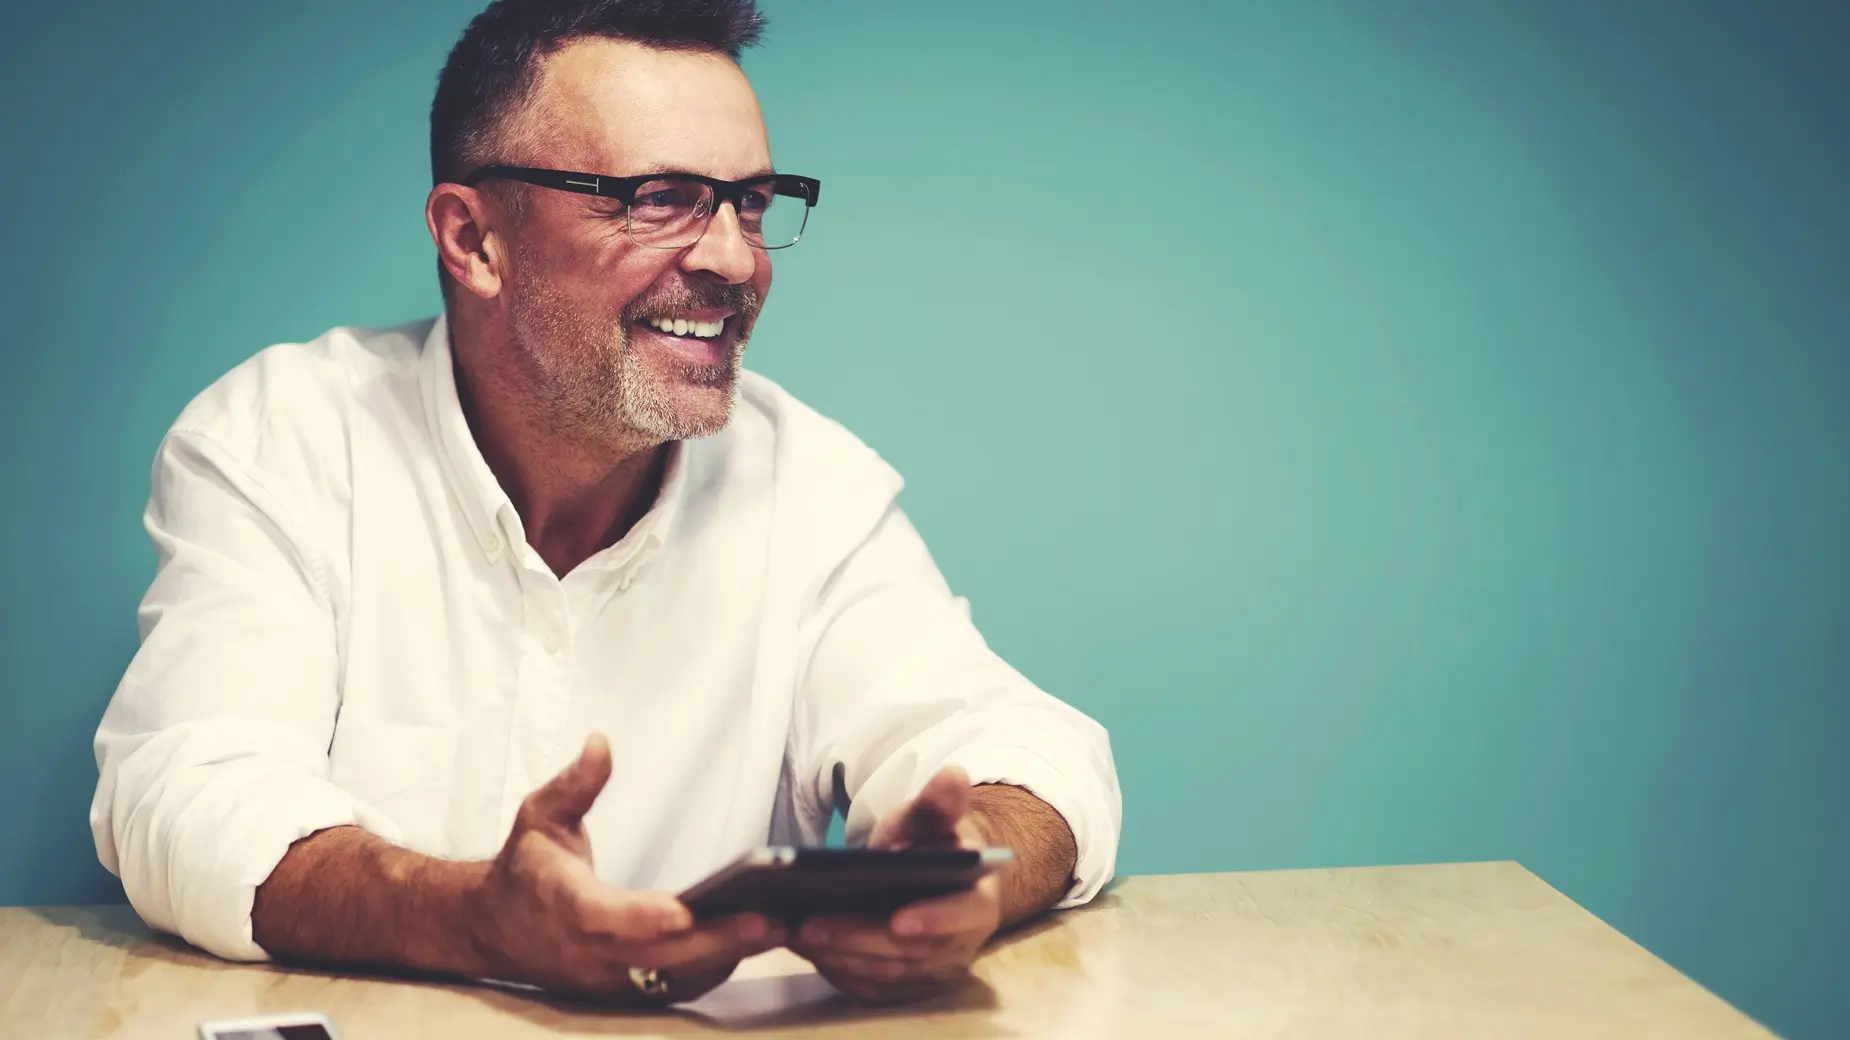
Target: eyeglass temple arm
{"x":806,"y":188}
{"x":623,"y":189}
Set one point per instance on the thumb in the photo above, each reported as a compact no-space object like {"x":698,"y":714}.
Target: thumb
{"x":564,"y":800}
{"x":931,"y":818}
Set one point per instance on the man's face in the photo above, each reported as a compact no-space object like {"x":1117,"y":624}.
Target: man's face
{"x":583,"y":300}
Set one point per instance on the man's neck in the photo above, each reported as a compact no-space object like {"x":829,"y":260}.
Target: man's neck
{"x":575,"y":497}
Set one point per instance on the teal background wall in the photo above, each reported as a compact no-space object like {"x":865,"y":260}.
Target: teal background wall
{"x":1418,"y":431}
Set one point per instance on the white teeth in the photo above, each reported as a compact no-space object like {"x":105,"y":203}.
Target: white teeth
{"x":683,"y":327}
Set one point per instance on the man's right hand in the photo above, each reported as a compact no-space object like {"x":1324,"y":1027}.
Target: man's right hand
{"x":542,"y":917}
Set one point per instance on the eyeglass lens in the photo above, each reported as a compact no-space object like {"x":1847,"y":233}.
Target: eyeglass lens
{"x":671,"y":212}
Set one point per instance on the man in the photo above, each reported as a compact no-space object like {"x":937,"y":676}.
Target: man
{"x":441,"y":610}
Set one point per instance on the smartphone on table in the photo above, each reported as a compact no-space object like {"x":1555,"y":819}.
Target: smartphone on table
{"x":297,"y":1025}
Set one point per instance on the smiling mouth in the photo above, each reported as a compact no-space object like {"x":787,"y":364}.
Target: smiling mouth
{"x":703,"y":342}
{"x":686,"y":329}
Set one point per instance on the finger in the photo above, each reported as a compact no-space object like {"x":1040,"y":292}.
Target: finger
{"x":720,"y":941}
{"x":625,"y":915}
{"x":835,"y":964}
{"x":564,"y":800}
{"x":932,"y":816}
{"x":884,"y":982}
{"x":867,"y":939}
{"x":888,"y":994}
{"x":886,"y":829}
{"x":950,"y":962}
{"x":970,"y":835}
{"x":959,"y":913}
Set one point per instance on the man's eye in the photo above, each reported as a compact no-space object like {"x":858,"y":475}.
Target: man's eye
{"x":665,"y":197}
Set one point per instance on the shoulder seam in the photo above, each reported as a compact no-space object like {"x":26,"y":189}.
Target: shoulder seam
{"x":271,"y":504}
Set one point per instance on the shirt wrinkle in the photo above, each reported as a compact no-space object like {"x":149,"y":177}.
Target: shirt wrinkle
{"x":347,"y":626}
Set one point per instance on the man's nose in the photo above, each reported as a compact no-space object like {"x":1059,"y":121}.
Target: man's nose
{"x":723,"y":249}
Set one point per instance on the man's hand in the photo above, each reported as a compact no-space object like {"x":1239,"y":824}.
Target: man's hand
{"x":536,"y":913}
{"x":927,"y":946}
{"x":544,"y":918}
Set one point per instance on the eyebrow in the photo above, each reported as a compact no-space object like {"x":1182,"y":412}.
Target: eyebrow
{"x":763,"y":171}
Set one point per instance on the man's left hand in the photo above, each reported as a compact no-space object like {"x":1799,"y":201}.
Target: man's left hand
{"x":923,"y":948}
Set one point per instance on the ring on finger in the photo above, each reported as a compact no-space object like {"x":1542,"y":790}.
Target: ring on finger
{"x":650,"y":982}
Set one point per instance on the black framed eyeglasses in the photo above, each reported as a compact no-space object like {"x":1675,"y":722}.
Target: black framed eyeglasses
{"x":672,"y":210}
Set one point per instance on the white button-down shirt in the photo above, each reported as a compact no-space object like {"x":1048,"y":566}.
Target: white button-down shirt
{"x":348,"y":627}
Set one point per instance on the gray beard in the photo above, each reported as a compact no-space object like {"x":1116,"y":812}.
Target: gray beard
{"x":644,"y":405}
{"x":601,"y":391}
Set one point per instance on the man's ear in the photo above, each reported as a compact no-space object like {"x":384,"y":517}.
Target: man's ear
{"x":474,"y":255}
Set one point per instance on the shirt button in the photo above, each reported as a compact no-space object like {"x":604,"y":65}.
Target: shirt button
{"x":492,"y":547}
{"x":553,"y":642}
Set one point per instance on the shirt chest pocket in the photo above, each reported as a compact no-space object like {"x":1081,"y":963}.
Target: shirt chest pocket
{"x":401,"y":770}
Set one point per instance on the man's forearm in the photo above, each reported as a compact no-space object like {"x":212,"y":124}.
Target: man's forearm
{"x":348,"y":896}
{"x":1045,"y":852}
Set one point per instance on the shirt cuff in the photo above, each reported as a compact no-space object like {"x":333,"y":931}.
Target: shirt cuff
{"x":213,"y":902}
{"x":1093,"y":821}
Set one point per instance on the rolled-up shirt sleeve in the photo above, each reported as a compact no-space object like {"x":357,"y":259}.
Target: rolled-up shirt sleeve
{"x":213,"y":754}
{"x":899,"y":684}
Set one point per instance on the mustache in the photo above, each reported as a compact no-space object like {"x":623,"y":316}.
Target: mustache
{"x":670,"y":300}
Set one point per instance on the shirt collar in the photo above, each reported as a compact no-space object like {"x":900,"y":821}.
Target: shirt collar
{"x":491,"y":514}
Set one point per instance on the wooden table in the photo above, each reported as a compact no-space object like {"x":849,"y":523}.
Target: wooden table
{"x":1461,"y":950}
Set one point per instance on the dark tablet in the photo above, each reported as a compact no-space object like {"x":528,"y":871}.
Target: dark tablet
{"x":790,"y":883}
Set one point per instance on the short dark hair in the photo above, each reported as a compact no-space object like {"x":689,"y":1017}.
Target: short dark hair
{"x":491,"y":70}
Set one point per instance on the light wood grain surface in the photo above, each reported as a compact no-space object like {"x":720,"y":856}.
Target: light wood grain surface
{"x":1459,"y":950}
